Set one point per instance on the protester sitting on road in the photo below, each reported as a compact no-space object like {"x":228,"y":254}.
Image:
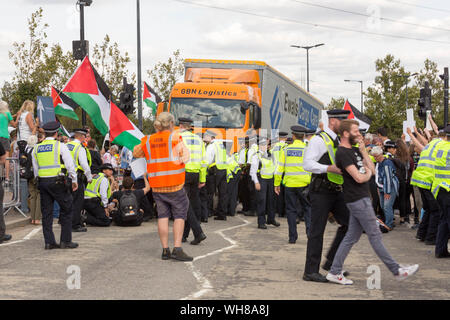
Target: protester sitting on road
{"x":96,"y":197}
{"x":388,"y":186}
{"x":124,"y":204}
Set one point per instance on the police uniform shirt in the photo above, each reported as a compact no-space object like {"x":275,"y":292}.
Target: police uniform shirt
{"x":251,"y":151}
{"x":255,"y":166}
{"x":103,"y":190}
{"x":315,"y":150}
{"x":66,"y":157}
{"x":211,"y":152}
{"x":82,"y":160}
{"x":241,"y":156}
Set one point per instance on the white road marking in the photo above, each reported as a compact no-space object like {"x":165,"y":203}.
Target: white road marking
{"x":27,"y":237}
{"x":205,"y":285}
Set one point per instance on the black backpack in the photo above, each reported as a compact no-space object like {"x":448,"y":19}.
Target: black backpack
{"x":25,"y":162}
{"x":128,"y":206}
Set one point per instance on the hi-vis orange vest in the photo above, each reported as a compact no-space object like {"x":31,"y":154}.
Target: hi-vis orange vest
{"x":164,"y":168}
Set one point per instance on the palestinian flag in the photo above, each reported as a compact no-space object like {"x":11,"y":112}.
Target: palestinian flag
{"x":88,"y":90}
{"x":151,"y":98}
{"x":62,"y":130}
{"x":64,"y":106}
{"x":122,"y":131}
{"x":364,"y":121}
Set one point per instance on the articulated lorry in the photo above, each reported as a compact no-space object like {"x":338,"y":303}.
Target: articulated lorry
{"x":231,"y":96}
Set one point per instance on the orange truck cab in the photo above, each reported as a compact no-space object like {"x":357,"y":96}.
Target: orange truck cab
{"x":231,"y":96}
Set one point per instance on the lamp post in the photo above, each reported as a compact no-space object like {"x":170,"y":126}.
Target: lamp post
{"x":307,"y":59}
{"x":406,"y":77}
{"x":82,"y":4}
{"x":139,"y":82}
{"x":361,"y":82}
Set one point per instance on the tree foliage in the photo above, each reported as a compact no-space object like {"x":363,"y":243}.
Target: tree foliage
{"x":165,"y":74}
{"x":336,"y":103}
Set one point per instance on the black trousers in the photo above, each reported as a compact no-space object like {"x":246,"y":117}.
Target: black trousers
{"x":191,"y":188}
{"x":95,"y":213}
{"x":375,"y":198}
{"x":281,"y":202}
{"x":322,"y":203}
{"x":428,"y":226}
{"x":233,"y":189}
{"x":220,"y":184}
{"x":244,"y":192}
{"x":251,"y":194}
{"x":2,"y":217}
{"x":147,"y":202}
{"x":77,"y":206}
{"x":51,"y":192}
{"x":296,"y":198}
{"x":203,"y":194}
{"x":265,"y":201}
{"x":443,"y":232}
{"x":404,"y":203}
{"x":210,"y":191}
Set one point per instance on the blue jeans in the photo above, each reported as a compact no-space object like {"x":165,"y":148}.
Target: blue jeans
{"x":388,"y":208}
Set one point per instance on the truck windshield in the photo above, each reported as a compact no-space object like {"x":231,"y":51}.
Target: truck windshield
{"x":214,"y":113}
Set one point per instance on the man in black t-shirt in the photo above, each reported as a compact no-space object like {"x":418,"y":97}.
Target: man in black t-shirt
{"x":357,"y":169}
{"x":3,"y":236}
{"x":138,"y":216}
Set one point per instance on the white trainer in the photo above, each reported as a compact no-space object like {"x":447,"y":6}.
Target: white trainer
{"x":406,"y":271}
{"x":339,"y":278}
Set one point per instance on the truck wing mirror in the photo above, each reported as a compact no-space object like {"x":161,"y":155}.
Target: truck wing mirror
{"x":244,"y":107}
{"x":257,"y":116}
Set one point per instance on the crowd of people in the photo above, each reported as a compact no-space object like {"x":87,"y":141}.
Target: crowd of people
{"x":336,"y":174}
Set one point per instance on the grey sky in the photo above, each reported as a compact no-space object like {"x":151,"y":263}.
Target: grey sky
{"x":200,"y":32}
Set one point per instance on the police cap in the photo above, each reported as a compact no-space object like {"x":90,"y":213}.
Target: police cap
{"x":107,"y":166}
{"x":283,"y":134}
{"x":80,"y":131}
{"x":338,"y":114}
{"x":210,"y":133}
{"x":51,"y":127}
{"x":185,"y":120}
{"x":389,"y":144}
{"x":298,"y":129}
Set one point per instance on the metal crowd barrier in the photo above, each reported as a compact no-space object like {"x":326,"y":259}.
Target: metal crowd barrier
{"x":11,"y":186}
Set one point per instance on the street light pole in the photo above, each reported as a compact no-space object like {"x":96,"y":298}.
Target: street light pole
{"x":139,"y":89}
{"x":307,"y":59}
{"x":362,"y":102}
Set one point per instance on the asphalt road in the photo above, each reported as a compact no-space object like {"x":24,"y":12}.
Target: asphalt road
{"x":237,"y":261}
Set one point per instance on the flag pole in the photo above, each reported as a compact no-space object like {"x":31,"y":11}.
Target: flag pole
{"x":139,"y":84}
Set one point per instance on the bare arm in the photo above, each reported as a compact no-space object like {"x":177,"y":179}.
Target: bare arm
{"x":414,"y":140}
{"x":359,"y":177}
{"x":30,"y":123}
{"x":366,"y":159}
{"x":138,"y":152}
{"x":421,"y":138}
{"x":147,"y":185}
{"x":433,"y":125}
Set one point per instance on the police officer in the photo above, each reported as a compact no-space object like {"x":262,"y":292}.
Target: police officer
{"x":261,"y":172}
{"x":216,"y":156}
{"x":195,"y":179}
{"x":243,"y":183}
{"x":82,"y":160}
{"x":253,"y":149}
{"x":441,"y":191}
{"x":325,"y":195}
{"x":277,"y":150}
{"x":203,"y":193}
{"x":96,"y":197}
{"x":48,"y":158}
{"x":422,"y":177}
{"x":234,"y":172}
{"x":291,"y":174}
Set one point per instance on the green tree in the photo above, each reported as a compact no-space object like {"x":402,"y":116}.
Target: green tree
{"x":111,"y":64}
{"x":385,"y":99}
{"x":335,"y":103}
{"x":165,"y":74}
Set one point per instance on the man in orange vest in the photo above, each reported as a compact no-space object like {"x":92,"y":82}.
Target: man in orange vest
{"x":166,"y":155}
